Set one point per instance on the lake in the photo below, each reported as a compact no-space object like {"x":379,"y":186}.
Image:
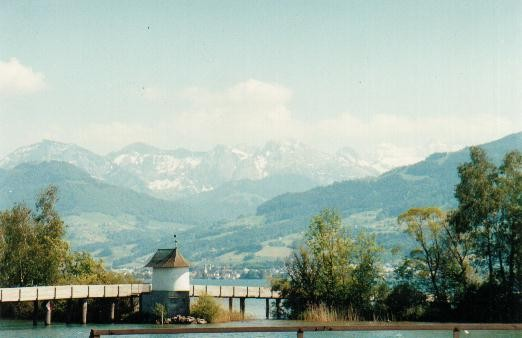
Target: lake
{"x":255,"y":309}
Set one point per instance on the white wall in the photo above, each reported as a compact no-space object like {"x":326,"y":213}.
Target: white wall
{"x":170,"y":279}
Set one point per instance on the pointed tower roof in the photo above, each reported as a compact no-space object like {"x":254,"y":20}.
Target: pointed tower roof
{"x":167,"y":258}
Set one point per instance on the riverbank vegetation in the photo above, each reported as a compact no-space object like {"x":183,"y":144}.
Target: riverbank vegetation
{"x":208,"y":308}
{"x":33,"y":252}
{"x":467,"y":265}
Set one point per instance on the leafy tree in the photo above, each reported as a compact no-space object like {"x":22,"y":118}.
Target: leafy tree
{"x":490,"y":213}
{"x":428,"y":259}
{"x":406,"y":302}
{"x":479,"y":200}
{"x":332,"y":270}
{"x":18,"y":260}
{"x":510,"y":229}
{"x":33,"y":251}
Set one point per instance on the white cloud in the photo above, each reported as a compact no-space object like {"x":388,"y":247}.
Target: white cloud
{"x":254,"y":112}
{"x":16,"y":78}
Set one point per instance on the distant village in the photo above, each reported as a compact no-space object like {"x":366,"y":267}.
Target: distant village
{"x":214,"y":271}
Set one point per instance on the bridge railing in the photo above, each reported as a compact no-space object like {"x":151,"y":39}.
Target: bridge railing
{"x":71,"y":291}
{"x":234,"y":291}
{"x":456,"y":328}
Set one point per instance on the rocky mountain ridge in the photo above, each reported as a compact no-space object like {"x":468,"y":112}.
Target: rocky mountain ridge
{"x":178,"y":173}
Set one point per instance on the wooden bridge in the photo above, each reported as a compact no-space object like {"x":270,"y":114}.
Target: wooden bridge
{"x":241,"y":292}
{"x":25,"y":294}
{"x":117,"y":291}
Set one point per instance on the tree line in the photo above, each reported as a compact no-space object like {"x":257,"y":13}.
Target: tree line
{"x":466,"y":266}
{"x":33,"y":252}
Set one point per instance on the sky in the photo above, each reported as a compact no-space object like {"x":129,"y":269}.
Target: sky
{"x":400,"y":79}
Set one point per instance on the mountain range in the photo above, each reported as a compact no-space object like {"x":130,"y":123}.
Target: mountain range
{"x":178,"y":173}
{"x":241,"y":214}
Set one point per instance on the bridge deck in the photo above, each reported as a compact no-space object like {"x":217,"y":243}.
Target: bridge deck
{"x":234,"y":291}
{"x":26,"y":294}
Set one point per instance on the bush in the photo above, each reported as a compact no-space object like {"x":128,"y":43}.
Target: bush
{"x":207,"y":308}
{"x":405,"y":302}
{"x":160,"y":311}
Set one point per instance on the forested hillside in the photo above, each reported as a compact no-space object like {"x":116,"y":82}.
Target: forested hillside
{"x":428,"y":183}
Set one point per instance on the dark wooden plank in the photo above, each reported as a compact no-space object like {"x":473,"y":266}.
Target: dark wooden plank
{"x":304,"y":328}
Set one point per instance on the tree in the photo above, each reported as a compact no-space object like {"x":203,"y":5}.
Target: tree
{"x":18,"y":260}
{"x":424,"y":224}
{"x":34,"y":252}
{"x":479,"y":201}
{"x":510,"y":229}
{"x":332,"y":270}
{"x":49,"y":231}
{"x":406,"y":302}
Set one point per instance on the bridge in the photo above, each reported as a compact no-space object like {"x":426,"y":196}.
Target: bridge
{"x":241,"y":292}
{"x":117,"y":291}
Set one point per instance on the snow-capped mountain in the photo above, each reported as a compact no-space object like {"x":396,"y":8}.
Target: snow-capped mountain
{"x":95,"y":165}
{"x":180,"y":172}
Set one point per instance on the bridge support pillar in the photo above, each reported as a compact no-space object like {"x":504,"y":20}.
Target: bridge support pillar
{"x":267,"y":308}
{"x":230,"y":300}
{"x":35,"y":313}
{"x":278,"y":308}
{"x":112,"y":311}
{"x":84,"y":311}
{"x":48,"y":310}
{"x":242,"y":307}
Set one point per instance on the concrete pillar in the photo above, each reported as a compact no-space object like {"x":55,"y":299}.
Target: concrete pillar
{"x":84,"y":311}
{"x":35,"y":313}
{"x":242,"y":307}
{"x":112,"y":311}
{"x":48,"y":309}
{"x":267,"y":308}
{"x":230,"y":304}
{"x":278,"y":308}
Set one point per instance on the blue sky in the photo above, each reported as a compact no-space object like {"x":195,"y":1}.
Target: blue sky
{"x":401,"y":77}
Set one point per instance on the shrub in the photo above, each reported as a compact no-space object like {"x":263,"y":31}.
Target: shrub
{"x":207,"y":308}
{"x":160,"y":311}
{"x":405,"y":302}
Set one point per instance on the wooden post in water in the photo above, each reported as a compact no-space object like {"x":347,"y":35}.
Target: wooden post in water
{"x":48,"y":309}
{"x":230,"y":304}
{"x":278,"y":308}
{"x":35,"y":313}
{"x":242,"y":307}
{"x":84,"y":311}
{"x":456,"y":333}
{"x":267,"y":310}
{"x":112,"y":311}
{"x":300,"y":333}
